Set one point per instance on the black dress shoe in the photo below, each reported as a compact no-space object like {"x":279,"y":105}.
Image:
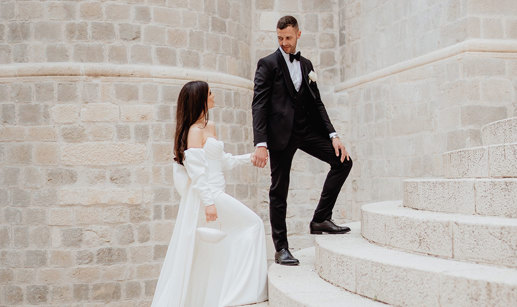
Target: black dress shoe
{"x":284,"y":257}
{"x":327,"y":226}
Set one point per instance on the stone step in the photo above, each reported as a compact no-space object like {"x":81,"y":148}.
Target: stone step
{"x":484,"y":161}
{"x":291,"y":286}
{"x":405,"y":279}
{"x":499,"y":132}
{"x":491,"y":240}
{"x":488,"y":197}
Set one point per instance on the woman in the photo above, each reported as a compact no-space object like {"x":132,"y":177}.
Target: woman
{"x":198,"y":273}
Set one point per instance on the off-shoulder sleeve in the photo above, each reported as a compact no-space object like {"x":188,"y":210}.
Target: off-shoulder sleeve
{"x":230,"y":161}
{"x":196,"y":165}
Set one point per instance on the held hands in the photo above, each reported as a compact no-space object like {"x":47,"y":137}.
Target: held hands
{"x":259,"y":157}
{"x":211,"y":213}
{"x":340,"y":149}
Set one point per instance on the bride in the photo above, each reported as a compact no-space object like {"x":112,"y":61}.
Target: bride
{"x":196,"y":271}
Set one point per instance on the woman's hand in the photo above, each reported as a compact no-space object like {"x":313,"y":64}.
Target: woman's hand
{"x":211,"y":213}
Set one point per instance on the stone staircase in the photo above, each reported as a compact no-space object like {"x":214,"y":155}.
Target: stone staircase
{"x":450,"y":242}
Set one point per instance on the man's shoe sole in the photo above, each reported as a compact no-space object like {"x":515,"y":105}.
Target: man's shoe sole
{"x":320,"y":232}
{"x":289,"y":264}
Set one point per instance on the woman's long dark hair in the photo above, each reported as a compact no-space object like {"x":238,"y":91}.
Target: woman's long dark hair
{"x":192,"y":104}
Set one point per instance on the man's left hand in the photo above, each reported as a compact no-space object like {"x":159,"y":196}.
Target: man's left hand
{"x":340,"y":148}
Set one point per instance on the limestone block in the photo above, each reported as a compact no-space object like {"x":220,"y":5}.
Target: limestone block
{"x":48,"y":276}
{"x":61,"y":217}
{"x":106,"y":292}
{"x":12,"y":133}
{"x":500,"y":132}
{"x":118,"y":12}
{"x":66,"y":92}
{"x":100,"y":132}
{"x":102,"y":31}
{"x":91,"y":11}
{"x":48,"y":31}
{"x":472,"y":115}
{"x":8,"y":114}
{"x":19,"y":154}
{"x":142,"y":13}
{"x":13,"y":295}
{"x":155,"y":35}
{"x":99,"y":112}
{"x":496,"y":197}
{"x":65,"y":113}
{"x":132,"y":290}
{"x":37,"y":294}
{"x":35,"y":258}
{"x":62,"y":11}
{"x":92,"y":196}
{"x":166,"y":56}
{"x":129,"y":32}
{"x":57,"y":53}
{"x":89,"y":53}
{"x":134,"y":113}
{"x":126,"y":92}
{"x":30,"y":114}
{"x":268,"y":20}
{"x":76,"y":31}
{"x":109,"y":255}
{"x":117,"y":54}
{"x":102,"y":154}
{"x":440,"y":195}
{"x":86,"y":274}
{"x":81,"y":292}
{"x":18,"y":32}
{"x":46,"y":154}
{"x":41,"y":134}
{"x":62,"y":259}
{"x":503,"y":160}
{"x":494,"y":242}
{"x":167,"y":16}
{"x":61,"y":294}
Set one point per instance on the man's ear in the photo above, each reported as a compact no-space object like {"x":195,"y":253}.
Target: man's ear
{"x":299,"y":33}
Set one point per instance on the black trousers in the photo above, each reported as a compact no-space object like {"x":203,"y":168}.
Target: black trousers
{"x":318,"y":146}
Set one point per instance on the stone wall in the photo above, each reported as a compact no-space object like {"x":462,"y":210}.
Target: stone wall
{"x":419,"y":84}
{"x":88,"y":95}
{"x":210,"y":35}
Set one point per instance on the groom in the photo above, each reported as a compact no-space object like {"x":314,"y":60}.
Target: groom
{"x":288,"y":114}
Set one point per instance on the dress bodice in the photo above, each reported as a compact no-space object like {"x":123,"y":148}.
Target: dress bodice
{"x":214,"y":153}
{"x":204,"y":167}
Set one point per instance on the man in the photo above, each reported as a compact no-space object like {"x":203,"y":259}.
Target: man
{"x":288,"y":114}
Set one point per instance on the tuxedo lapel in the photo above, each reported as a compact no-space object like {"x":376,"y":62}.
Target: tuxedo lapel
{"x":287,"y":75}
{"x":305,"y":75}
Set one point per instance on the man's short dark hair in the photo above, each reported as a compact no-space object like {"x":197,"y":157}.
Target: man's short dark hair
{"x":287,"y":21}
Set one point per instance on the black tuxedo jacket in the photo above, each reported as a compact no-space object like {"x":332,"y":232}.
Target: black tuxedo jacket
{"x":274,"y":102}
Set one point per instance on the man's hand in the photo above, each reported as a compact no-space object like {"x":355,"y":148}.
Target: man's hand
{"x":339,"y":147}
{"x":260,"y":157}
{"x":211,"y":213}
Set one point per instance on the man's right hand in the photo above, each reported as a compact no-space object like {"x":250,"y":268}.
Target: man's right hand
{"x":261,"y":157}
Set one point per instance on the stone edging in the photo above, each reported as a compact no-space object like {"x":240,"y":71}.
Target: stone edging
{"x":114,"y":70}
{"x":472,"y":45}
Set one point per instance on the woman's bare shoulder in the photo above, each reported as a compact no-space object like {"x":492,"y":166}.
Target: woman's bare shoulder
{"x":195,"y":137}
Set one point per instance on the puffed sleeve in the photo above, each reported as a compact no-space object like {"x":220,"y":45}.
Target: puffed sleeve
{"x":196,"y":165}
{"x":230,"y":161}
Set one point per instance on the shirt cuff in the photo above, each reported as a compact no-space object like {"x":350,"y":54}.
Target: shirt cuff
{"x":330,"y":135}
{"x":262,"y":144}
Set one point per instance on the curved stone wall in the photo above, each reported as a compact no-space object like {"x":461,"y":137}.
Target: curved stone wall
{"x":209,"y":35}
{"x":88,"y":95}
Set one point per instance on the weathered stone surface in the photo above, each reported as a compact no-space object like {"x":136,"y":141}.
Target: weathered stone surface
{"x":93,"y":196}
{"x":102,"y":154}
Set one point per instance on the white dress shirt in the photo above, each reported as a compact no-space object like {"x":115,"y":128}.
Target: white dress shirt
{"x":295,"y":71}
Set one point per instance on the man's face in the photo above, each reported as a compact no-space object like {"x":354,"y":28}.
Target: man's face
{"x":287,"y":38}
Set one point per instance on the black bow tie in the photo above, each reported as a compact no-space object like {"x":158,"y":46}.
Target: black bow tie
{"x":297,"y":56}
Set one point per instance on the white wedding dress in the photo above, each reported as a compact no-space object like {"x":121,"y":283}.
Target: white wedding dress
{"x":196,"y":273}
